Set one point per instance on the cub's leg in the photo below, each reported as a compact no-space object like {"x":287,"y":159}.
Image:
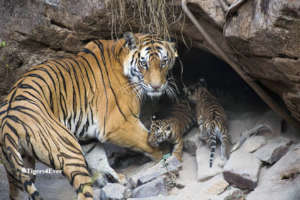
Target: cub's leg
{"x":98,"y":164}
{"x":132,"y":134}
{"x":177,"y":149}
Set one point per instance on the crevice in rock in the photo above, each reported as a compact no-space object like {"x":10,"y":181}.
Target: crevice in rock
{"x":287,"y":56}
{"x":59,"y":24}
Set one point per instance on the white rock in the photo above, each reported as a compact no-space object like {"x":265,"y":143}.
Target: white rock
{"x":215,"y":185}
{"x":160,"y":197}
{"x":150,"y":189}
{"x":115,"y":191}
{"x":273,"y":150}
{"x":253,"y":143}
{"x":231,"y":193}
{"x":202,"y":190}
{"x":161,"y":168}
{"x":242,"y":169}
{"x":204,"y":172}
{"x":282,"y":180}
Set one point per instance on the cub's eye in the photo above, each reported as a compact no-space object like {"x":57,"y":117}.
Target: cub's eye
{"x":163,"y":62}
{"x":143,"y":63}
{"x":168,"y":128}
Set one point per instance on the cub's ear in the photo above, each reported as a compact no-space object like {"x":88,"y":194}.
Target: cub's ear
{"x":130,"y":40}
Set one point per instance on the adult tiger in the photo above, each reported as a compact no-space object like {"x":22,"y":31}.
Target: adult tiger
{"x":94,"y":95}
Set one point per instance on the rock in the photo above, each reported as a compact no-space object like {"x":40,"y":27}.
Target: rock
{"x":253,"y":143}
{"x":115,"y":191}
{"x":152,"y":188}
{"x":214,"y":186}
{"x":204,"y":172}
{"x":242,"y":170}
{"x":161,"y":168}
{"x":99,"y":194}
{"x":231,"y":194}
{"x":282,"y":180}
{"x":191,"y":141}
{"x":274,"y":150}
{"x":205,"y":190}
{"x":3,"y":183}
{"x":160,"y":197}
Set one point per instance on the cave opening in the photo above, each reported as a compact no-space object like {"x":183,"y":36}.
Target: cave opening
{"x":221,"y":79}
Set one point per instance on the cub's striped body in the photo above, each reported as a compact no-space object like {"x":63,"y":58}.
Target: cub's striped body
{"x":211,"y":120}
{"x":88,"y":97}
{"x":170,"y":124}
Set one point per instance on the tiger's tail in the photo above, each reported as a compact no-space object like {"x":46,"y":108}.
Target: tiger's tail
{"x":221,"y":135}
{"x":212,"y":142}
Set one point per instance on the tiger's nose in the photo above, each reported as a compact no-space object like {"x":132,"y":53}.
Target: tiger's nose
{"x":155,"y":86}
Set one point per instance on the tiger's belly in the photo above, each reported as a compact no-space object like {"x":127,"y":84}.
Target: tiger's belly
{"x":85,"y":128}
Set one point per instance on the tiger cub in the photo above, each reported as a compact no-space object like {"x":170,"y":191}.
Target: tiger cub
{"x":170,"y":124}
{"x":211,"y":120}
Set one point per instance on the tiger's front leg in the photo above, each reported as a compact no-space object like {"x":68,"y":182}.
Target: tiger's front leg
{"x":132,"y":134}
{"x":98,"y":164}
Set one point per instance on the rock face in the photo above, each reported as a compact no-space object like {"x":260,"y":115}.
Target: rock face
{"x":282,"y":180}
{"x":264,"y":35}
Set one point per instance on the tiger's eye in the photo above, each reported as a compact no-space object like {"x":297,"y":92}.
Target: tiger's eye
{"x":143,"y":63}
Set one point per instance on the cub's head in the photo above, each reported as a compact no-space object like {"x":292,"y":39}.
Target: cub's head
{"x":148,"y":62}
{"x":160,"y":131}
{"x":195,"y":91}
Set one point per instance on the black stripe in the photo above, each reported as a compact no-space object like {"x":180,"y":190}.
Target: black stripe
{"x":104,"y":86}
{"x":100,"y":46}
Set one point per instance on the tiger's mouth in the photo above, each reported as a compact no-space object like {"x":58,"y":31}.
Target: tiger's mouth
{"x":155,"y":92}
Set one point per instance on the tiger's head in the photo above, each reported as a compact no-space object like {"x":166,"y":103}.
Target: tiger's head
{"x":148,"y":62}
{"x":160,"y":131}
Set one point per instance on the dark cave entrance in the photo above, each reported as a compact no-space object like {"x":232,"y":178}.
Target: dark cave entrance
{"x":221,"y":79}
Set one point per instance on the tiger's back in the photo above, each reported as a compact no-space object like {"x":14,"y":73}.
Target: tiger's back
{"x":170,"y":124}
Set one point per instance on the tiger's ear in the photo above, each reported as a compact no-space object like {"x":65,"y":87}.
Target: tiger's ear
{"x":130,"y":40}
{"x":173,"y":46}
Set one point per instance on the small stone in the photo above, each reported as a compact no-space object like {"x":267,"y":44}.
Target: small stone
{"x":115,"y":191}
{"x":205,"y":172}
{"x":99,"y":194}
{"x":253,"y":143}
{"x":191,"y":141}
{"x":242,"y":169}
{"x":273,"y":150}
{"x":161,"y":168}
{"x":150,"y":189}
{"x":160,"y":197}
{"x":215,"y":185}
{"x":230,"y":194}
